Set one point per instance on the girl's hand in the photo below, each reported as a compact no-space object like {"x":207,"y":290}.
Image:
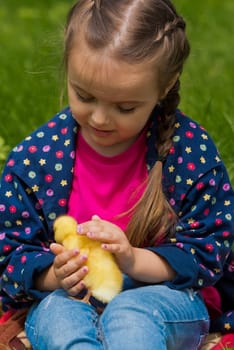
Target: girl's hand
{"x":112,"y":238}
{"x":69,"y":268}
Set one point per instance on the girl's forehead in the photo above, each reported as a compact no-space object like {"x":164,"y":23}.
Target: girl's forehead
{"x":99,"y":71}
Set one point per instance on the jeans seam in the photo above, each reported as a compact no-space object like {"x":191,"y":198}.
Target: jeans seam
{"x":101,"y":336}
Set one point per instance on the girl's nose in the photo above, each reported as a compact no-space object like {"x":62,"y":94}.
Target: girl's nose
{"x":99,"y":116}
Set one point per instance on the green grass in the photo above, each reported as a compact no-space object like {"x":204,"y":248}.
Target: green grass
{"x":30,"y":68}
{"x":30,"y":59}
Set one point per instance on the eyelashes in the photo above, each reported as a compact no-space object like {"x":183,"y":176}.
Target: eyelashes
{"x":90,"y":99}
{"x":85,"y":99}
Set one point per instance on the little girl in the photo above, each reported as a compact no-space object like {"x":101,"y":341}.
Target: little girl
{"x":138,"y":175}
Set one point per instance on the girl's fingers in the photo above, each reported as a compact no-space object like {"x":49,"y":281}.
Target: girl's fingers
{"x":96,"y":224}
{"x":96,"y":217}
{"x":75,"y":280}
{"x":102,"y":236}
{"x":62,"y":255}
{"x":56,"y":248}
{"x":76,"y":289}
{"x":70,"y":267}
{"x":112,"y":248}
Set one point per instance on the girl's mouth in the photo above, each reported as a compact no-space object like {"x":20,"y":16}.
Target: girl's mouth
{"x":100,"y":132}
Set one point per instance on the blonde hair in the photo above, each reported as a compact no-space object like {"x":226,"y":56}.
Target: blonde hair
{"x":136,"y":31}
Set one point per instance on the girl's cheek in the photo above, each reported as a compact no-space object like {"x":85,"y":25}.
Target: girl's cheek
{"x":80,"y":113}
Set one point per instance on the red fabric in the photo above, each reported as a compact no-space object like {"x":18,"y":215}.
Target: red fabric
{"x":6,"y":316}
{"x":12,"y":325}
{"x":213,"y":301}
{"x":226,"y":342}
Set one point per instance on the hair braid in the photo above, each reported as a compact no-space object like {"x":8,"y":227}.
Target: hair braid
{"x":166,"y":123}
{"x":170,"y":27}
{"x":153,"y":207}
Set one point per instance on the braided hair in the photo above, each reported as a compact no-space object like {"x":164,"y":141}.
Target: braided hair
{"x":136,"y":31}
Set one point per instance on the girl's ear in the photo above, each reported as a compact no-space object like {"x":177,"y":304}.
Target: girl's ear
{"x":170,"y":85}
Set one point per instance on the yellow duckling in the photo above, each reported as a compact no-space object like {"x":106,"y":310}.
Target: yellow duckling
{"x":104,"y":278}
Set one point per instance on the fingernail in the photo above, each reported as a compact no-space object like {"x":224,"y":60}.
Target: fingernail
{"x":79,"y":228}
{"x":90,"y":234}
{"x":85,"y":269}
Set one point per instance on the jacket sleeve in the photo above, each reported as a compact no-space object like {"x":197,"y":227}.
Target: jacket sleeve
{"x":34,"y":189}
{"x":204,"y":233}
{"x":24,"y":240}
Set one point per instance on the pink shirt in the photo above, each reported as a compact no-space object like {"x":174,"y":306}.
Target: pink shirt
{"x":107,"y":186}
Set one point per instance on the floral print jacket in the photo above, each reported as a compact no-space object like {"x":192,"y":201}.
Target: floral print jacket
{"x":35,"y":188}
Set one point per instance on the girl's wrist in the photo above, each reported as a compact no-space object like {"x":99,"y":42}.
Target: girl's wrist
{"x":47,"y":280}
{"x":149,"y":267}
{"x":128,"y":266}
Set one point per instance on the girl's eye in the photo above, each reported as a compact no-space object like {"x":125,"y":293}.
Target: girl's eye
{"x":83,"y":98}
{"x":126,"y":110}
{"x":88,"y":98}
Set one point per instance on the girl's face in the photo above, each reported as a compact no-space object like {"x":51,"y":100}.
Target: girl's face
{"x":110,"y":100}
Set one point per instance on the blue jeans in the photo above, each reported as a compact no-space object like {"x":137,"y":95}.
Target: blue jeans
{"x":143,"y":318}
